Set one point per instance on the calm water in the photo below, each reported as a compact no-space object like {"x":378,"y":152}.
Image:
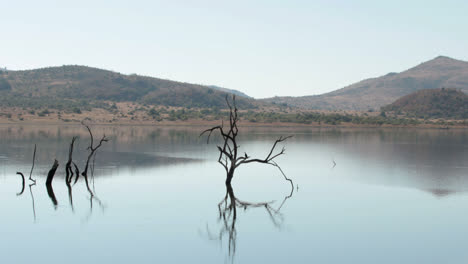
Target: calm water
{"x":394,"y":196}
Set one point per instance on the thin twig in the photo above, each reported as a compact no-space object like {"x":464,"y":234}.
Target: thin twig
{"x":33,"y":161}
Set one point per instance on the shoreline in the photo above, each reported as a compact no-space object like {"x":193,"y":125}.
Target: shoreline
{"x":248,"y":124}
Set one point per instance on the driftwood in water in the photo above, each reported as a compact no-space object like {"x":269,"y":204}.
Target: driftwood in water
{"x":50,"y":177}
{"x":92,"y":148}
{"x":228,"y":152}
{"x":51,"y":174}
{"x":22,"y":184}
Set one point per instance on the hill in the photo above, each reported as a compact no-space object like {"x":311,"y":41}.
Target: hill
{"x":432,"y":103}
{"x":231,"y":91}
{"x":377,"y":92}
{"x":49,"y":87}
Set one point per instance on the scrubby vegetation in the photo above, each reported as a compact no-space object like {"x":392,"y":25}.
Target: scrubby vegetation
{"x":432,"y":103}
{"x":48,"y":102}
{"x":4,"y":84}
{"x":315,"y":118}
{"x":48,"y":86}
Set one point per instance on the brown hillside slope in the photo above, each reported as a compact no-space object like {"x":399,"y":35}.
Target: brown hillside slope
{"x":377,"y":92}
{"x":48,"y":85}
{"x":432,"y":103}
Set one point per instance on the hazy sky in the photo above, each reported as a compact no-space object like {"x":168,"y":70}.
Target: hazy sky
{"x":263,"y":48}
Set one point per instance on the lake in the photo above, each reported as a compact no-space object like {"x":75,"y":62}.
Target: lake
{"x":360,"y":196}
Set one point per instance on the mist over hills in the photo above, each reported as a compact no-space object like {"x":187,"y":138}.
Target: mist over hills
{"x":374,"y":93}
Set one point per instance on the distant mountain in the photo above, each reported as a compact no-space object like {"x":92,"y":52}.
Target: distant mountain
{"x":23,"y":88}
{"x":376,"y":92}
{"x":231,"y":91}
{"x":432,"y":103}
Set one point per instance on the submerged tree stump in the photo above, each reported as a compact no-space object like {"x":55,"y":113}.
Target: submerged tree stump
{"x":51,"y":174}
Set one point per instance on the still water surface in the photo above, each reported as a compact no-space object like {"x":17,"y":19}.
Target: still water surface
{"x":394,"y":196}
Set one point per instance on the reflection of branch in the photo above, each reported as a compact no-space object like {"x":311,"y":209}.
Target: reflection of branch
{"x":93,"y":197}
{"x":70,"y":196}
{"x":68,"y":167}
{"x":22,"y":188}
{"x":32,"y":198}
{"x":228,"y":215}
{"x":69,"y":173}
{"x":77,"y":172}
{"x":50,"y":192}
{"x":30,"y":185}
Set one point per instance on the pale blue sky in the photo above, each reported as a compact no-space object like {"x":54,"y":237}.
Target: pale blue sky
{"x":263,"y":48}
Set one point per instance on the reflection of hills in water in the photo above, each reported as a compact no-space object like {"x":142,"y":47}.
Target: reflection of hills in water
{"x":132,"y":159}
{"x":424,"y":159}
{"x":441,"y":193}
{"x":128,"y":146}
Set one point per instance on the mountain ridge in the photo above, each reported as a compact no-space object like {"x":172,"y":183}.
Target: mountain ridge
{"x":76,"y":82}
{"x":373,"y":93}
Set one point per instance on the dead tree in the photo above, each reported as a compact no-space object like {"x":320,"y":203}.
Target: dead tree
{"x":30,"y":174}
{"x":50,"y":177}
{"x":30,"y":185}
{"x":92,"y":149}
{"x":51,"y":174}
{"x":32,"y":168}
{"x":69,"y":172}
{"x":68,"y":167}
{"x":229,"y":156}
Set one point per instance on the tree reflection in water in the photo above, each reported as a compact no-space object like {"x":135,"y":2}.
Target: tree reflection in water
{"x":68,"y":181}
{"x":93,"y":199}
{"x":32,"y":199}
{"x":30,"y":192}
{"x":69,"y":174}
{"x":227,"y":210}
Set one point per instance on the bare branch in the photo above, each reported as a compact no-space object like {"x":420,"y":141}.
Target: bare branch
{"x":269,"y":158}
{"x":32,"y":168}
{"x":92,"y":148}
{"x":22,"y":185}
{"x":68,"y":168}
{"x":228,"y":153}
